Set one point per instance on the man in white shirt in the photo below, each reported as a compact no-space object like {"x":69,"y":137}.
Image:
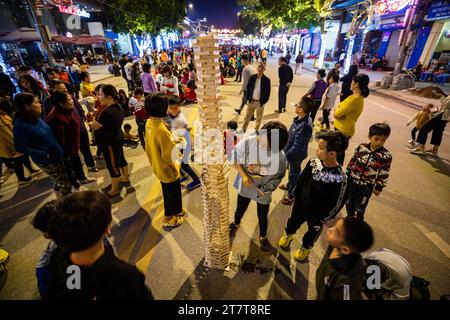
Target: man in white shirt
{"x":329,"y":99}
{"x":246,"y":74}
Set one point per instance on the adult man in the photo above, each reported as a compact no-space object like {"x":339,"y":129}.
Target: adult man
{"x":333,"y":71}
{"x":122,"y":62}
{"x":286,"y":76}
{"x":298,"y":63}
{"x":288,"y":57}
{"x":247,"y":72}
{"x":6,"y":84}
{"x":264,"y":55}
{"x":128,"y":68}
{"x":258,"y":93}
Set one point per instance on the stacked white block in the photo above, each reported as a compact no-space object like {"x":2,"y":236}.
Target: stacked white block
{"x":215,"y":169}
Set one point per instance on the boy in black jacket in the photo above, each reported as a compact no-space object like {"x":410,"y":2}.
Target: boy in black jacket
{"x":82,"y":268}
{"x":342,"y":272}
{"x":320,"y":194}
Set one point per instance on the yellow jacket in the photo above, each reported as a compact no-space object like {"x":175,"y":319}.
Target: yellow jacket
{"x":159,"y":147}
{"x":87,"y":89}
{"x":347,"y":113}
{"x":6,"y":137}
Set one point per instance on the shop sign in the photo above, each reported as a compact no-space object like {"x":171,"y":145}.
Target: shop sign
{"x":74,"y":10}
{"x":439,"y":10}
{"x":385,"y":6}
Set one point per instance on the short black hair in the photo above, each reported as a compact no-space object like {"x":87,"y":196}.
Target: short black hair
{"x":244,"y":57}
{"x":51,"y":70}
{"x":59,"y":97}
{"x":307,"y":104}
{"x":156,"y":105}
{"x":146,"y":67}
{"x":81,"y":221}
{"x":279,"y":129}
{"x":282,"y":59}
{"x":336,"y":140}
{"x":232,"y":125}
{"x":42,"y":216}
{"x":55,"y":82}
{"x":127,"y":126}
{"x":168,"y":70}
{"x":358,"y":235}
{"x":322,"y":73}
{"x":173,"y":100}
{"x":138,"y":91}
{"x":110,"y":91}
{"x":335,"y":78}
{"x":380,"y":129}
{"x":83,"y":75}
{"x":25,"y":68}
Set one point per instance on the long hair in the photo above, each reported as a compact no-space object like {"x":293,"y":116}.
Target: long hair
{"x":21,"y":101}
{"x":35,"y":88}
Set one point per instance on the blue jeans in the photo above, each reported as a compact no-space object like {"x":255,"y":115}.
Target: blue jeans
{"x":358,"y":198}
{"x":294,"y":175}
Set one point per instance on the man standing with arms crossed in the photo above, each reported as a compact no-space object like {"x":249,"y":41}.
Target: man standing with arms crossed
{"x":246,"y":74}
{"x":286,"y":76}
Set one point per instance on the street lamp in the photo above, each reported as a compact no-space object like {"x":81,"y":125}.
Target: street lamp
{"x":191,"y":6}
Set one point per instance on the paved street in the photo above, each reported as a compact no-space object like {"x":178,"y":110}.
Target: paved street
{"x":410,"y":217}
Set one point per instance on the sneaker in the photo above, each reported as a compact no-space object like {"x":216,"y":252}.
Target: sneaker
{"x":173,"y":222}
{"x":285,"y":240}
{"x":432,"y":152}
{"x":417,"y":150}
{"x":193,"y":185}
{"x":278,"y":111}
{"x":87,"y":180}
{"x":233,"y":229}
{"x":183,"y":213}
{"x":237,"y":111}
{"x":265,"y":244}
{"x":184,"y":178}
{"x":284,"y":109}
{"x":301,"y":254}
{"x":284,"y":187}
{"x":125,"y":184}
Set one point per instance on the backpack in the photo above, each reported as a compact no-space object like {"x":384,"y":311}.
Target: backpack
{"x":419,"y":289}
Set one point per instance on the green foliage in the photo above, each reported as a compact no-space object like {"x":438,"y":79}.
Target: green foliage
{"x":145,"y":16}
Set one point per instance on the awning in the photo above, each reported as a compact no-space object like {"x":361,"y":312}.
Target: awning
{"x":21,"y":35}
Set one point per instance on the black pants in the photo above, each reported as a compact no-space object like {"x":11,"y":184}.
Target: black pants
{"x":17,"y":165}
{"x":263,"y":212}
{"x":326,"y":120}
{"x":141,"y":131}
{"x":437,"y":125}
{"x":282,"y":97}
{"x":74,"y":170}
{"x":189,"y":171}
{"x":316,"y":106}
{"x":298,"y":217}
{"x":239,"y":74}
{"x":413,"y":133}
{"x":341,"y":157}
{"x":173,"y":203}
{"x":114,"y":158}
{"x":358,"y":199}
{"x":244,"y":100}
{"x":86,"y":149}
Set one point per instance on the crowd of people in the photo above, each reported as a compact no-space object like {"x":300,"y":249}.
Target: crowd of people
{"x":46,"y":122}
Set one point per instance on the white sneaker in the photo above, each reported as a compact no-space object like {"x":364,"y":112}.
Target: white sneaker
{"x":417,"y":151}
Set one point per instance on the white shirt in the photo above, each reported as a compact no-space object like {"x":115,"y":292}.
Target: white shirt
{"x":128,"y":67}
{"x":257,"y":90}
{"x":342,"y":57}
{"x":332,"y":92}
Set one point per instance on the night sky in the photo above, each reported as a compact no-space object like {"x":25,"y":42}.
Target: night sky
{"x":219,"y":13}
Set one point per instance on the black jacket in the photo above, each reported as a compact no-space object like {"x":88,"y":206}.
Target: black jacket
{"x":342,"y":278}
{"x":265,"y":88}
{"x":107,"y":279}
{"x":285,"y":74}
{"x":6,"y":85}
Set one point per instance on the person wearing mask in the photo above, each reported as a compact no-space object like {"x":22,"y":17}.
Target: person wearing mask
{"x":286,"y":76}
{"x":258,"y":93}
{"x":347,"y":113}
{"x":247,"y":72}
{"x":34,"y":138}
{"x":347,"y":82}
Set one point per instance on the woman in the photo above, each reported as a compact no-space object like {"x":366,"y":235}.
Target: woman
{"x":347,"y":82}
{"x":148,"y":82}
{"x":34,"y":138}
{"x":349,"y":110}
{"x":192,"y":73}
{"x":66,"y":126}
{"x":169,"y":85}
{"x":109,"y":137}
{"x":29,"y":84}
{"x":136,"y":75}
{"x":8,"y":154}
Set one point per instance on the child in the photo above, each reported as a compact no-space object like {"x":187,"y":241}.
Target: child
{"x":320,"y":193}
{"x":368,"y":170}
{"x":261,"y":167}
{"x":40,"y":222}
{"x":79,"y":225}
{"x":181,"y":133}
{"x":329,"y":99}
{"x":129,"y":140}
{"x":316,"y":92}
{"x":421,"y":118}
{"x":137,"y":106}
{"x":159,"y":147}
{"x":189,"y":93}
{"x":342,"y":272}
{"x":87,"y":88}
{"x":297,"y":147}
{"x":230,"y":138}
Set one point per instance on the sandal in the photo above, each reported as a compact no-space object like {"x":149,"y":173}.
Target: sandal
{"x":175,"y":221}
{"x":287,"y":201}
{"x":125,"y":184}
{"x":283,"y":187}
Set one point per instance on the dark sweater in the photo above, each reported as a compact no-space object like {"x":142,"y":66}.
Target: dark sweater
{"x":321,"y":191}
{"x":285,"y":74}
{"x":265,"y":88}
{"x":107,"y":279}
{"x":65,"y":125}
{"x":341,"y":278}
{"x":300,"y":132}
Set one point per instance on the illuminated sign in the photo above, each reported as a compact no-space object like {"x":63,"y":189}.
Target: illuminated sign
{"x":74,"y":10}
{"x":385,"y":6}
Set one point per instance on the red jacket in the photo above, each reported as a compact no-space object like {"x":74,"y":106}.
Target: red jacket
{"x":65,"y":126}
